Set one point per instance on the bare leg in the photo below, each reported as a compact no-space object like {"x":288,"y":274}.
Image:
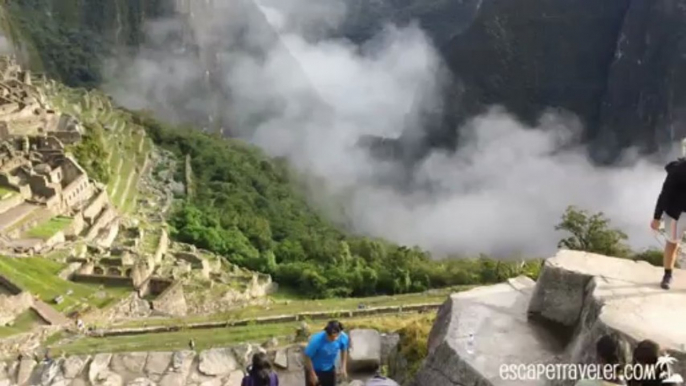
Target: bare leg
{"x":670,"y":255}
{"x":669,"y":259}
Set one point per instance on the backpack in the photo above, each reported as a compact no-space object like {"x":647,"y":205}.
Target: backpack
{"x":249,"y":381}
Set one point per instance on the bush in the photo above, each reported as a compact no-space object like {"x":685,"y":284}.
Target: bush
{"x":591,"y":233}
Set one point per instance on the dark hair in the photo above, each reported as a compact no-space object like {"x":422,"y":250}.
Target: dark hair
{"x":646,"y":353}
{"x":608,"y":349}
{"x":261,"y":369}
{"x":333,"y":327}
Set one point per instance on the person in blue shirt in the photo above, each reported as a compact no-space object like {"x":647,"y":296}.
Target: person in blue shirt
{"x":321,"y":353}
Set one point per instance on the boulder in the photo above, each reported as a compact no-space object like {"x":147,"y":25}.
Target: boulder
{"x":141,"y":382}
{"x":234,"y":379}
{"x":26,"y":366}
{"x":173,"y":379}
{"x":157,"y":363}
{"x":365,"y":350}
{"x":108,"y":378}
{"x":217,"y":361}
{"x":281,"y":359}
{"x":182,"y":361}
{"x":50,"y":371}
{"x":72,"y":366}
{"x":100,"y":363}
{"x":129,"y":365}
{"x":497,"y":317}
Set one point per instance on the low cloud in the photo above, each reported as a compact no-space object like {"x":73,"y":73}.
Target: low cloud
{"x":290,"y":88}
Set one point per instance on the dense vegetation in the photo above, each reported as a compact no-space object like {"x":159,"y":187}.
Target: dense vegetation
{"x":92,"y":154}
{"x":245,"y":207}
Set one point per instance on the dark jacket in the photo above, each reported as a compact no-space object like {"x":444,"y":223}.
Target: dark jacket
{"x":672,"y":199}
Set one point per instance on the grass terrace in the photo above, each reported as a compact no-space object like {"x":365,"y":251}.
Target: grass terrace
{"x":49,"y":228}
{"x":286,"y":303}
{"x":40,"y":277}
{"x":219,"y":337}
{"x":6,"y":193}
{"x":23,"y":323}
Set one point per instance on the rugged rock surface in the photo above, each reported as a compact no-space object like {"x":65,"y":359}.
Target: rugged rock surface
{"x":497,"y":317}
{"x":579,"y":296}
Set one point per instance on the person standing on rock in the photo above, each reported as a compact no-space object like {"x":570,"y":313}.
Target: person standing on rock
{"x":670,"y":208}
{"x":321,"y":353}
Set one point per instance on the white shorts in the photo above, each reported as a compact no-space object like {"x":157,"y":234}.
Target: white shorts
{"x":674,"y":229}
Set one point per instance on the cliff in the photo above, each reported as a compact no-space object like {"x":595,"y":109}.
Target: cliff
{"x":578,"y":298}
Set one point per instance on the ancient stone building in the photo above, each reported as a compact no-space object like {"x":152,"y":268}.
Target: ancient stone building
{"x":23,"y":109}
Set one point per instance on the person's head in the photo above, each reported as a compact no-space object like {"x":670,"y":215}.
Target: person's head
{"x":646,"y":353}
{"x":261,"y":369}
{"x":608,"y":349}
{"x":333,"y":329}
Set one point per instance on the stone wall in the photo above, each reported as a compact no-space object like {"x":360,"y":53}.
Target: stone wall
{"x":154,"y":286}
{"x":220,"y":366}
{"x":9,"y":286}
{"x":76,"y":227}
{"x":119,"y":281}
{"x":95,"y":206}
{"x":162,"y":246}
{"x":172,"y":301}
{"x":107,"y":215}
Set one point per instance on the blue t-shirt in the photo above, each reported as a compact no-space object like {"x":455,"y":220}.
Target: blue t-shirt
{"x":323,"y":352}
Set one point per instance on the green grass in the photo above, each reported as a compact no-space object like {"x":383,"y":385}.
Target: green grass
{"x":23,"y":323}
{"x":285,"y":306}
{"x":39,"y":276}
{"x":4,"y":191}
{"x":49,"y":228}
{"x":218,"y":337}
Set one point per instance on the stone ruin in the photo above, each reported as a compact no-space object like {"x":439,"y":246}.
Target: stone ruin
{"x":39,"y":179}
{"x":24,"y":110}
{"x":578,"y":298}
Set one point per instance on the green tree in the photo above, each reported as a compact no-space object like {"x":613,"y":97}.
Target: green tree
{"x":591,"y":233}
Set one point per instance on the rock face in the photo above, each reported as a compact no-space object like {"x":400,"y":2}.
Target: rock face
{"x":579,"y":296}
{"x":497,"y":317}
{"x":617,"y":65}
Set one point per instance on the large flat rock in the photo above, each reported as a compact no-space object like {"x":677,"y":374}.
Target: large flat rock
{"x":497,"y":316}
{"x":595,"y":294}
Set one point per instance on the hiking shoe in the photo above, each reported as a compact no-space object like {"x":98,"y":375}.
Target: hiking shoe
{"x":666,"y":282}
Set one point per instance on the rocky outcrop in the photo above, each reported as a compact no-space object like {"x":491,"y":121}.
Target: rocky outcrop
{"x":578,"y":297}
{"x":497,"y":318}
